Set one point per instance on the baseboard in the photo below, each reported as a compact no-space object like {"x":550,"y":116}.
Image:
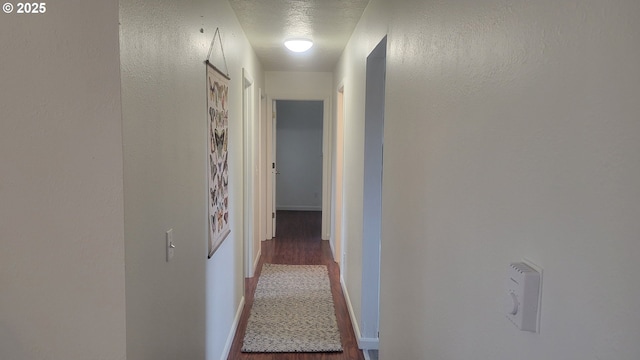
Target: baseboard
{"x":369,"y":343}
{"x":363,"y":343}
{"x":257,"y":260}
{"x":366,"y":354}
{"x":333,"y":251}
{"x":232,"y":333}
{"x":354,"y":322}
{"x":299,"y":208}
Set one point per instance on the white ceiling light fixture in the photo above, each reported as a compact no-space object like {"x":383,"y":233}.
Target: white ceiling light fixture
{"x":298,"y":45}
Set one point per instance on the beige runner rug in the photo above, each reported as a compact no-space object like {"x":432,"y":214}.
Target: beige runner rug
{"x":292,"y":311}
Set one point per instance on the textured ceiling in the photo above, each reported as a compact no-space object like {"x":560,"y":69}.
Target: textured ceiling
{"x":268,"y":23}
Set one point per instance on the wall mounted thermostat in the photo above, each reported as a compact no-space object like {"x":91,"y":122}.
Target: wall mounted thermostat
{"x":523,"y":296}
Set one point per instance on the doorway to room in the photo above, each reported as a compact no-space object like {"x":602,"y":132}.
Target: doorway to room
{"x":372,"y":184}
{"x":298,"y":142}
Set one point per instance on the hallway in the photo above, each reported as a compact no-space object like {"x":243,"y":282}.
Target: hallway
{"x":298,"y":242}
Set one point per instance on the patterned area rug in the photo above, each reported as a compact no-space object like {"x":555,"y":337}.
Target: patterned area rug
{"x":292,"y":311}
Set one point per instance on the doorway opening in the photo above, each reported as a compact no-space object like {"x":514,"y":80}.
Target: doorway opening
{"x":300,"y":171}
{"x":250,"y":198}
{"x":299,"y":156}
{"x":372,"y":203}
{"x":338,"y":170}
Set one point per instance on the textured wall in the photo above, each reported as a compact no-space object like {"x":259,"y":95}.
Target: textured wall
{"x":511,"y":131}
{"x":62,"y":282}
{"x":351,"y":72}
{"x":298,"y":85}
{"x":518,"y":124}
{"x":184,"y":308}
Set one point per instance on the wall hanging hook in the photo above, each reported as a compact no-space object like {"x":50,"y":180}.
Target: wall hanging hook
{"x":213,"y":41}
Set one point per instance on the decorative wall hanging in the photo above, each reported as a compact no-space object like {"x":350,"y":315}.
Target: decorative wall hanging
{"x":217,"y":151}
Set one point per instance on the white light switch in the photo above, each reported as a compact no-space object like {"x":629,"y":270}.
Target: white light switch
{"x":523,"y":296}
{"x":170,"y":245}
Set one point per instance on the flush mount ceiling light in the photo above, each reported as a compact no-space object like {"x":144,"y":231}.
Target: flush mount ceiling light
{"x":298,"y":45}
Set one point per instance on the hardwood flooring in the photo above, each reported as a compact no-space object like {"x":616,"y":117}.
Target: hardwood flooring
{"x":298,"y":242}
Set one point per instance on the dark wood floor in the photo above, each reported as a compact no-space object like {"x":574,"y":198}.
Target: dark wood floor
{"x":298,"y":242}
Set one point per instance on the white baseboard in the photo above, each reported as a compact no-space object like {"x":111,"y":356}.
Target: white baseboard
{"x":366,"y":355}
{"x":257,"y":260}
{"x":354,"y":322}
{"x":369,"y":343}
{"x":363,"y":343}
{"x":232,"y":333}
{"x":333,"y":252}
{"x":299,"y":208}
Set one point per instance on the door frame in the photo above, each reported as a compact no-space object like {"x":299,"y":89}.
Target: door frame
{"x":372,"y":200}
{"x":326,"y":160}
{"x":263,"y":171}
{"x":250,"y":192}
{"x":337,"y":184}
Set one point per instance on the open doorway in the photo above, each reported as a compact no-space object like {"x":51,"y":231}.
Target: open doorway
{"x":250,"y":193}
{"x":319,"y":150}
{"x":338,"y":169}
{"x":299,"y":155}
{"x":372,"y":205}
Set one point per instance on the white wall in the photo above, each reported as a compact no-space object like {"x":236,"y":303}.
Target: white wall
{"x":511,"y":131}
{"x":295,"y":85}
{"x":62,"y":282}
{"x":185,"y":308}
{"x":299,"y":155}
{"x":351,"y":72}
